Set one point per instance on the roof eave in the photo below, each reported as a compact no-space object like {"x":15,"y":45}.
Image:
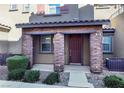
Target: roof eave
{"x":28,"y":25}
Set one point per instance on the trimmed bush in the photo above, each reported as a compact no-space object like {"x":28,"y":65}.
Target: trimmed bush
{"x":52,"y":78}
{"x":31,"y":76}
{"x":16,"y":74}
{"x":113,"y":82}
{"x":16,"y":62}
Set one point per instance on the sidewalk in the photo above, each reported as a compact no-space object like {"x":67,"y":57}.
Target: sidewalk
{"x":13,"y":84}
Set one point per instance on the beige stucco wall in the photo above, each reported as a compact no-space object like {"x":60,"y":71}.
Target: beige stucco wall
{"x":40,"y":57}
{"x":11,"y":18}
{"x":66,"y":49}
{"x":86,"y":50}
{"x":3,"y":36}
{"x":118,"y":23}
{"x":104,"y":13}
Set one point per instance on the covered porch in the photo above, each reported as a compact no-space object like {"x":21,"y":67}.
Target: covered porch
{"x":67,"y":68}
{"x":74,"y":42}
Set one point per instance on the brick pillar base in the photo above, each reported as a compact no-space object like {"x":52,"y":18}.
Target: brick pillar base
{"x":58,"y":52}
{"x":96,"y":54}
{"x":27,"y":47}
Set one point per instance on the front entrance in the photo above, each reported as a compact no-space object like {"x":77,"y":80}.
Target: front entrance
{"x":75,"y":44}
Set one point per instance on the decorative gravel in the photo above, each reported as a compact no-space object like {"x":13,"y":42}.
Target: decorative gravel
{"x":64,"y":77}
{"x":97,"y":79}
{"x":3,"y":72}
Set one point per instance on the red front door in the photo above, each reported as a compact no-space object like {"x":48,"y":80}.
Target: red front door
{"x":75,"y":42}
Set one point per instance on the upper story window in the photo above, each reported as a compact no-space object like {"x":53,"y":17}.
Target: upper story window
{"x":107,"y":44}
{"x":52,"y":9}
{"x":26,"y":7}
{"x":103,"y":6}
{"x":13,"y":7}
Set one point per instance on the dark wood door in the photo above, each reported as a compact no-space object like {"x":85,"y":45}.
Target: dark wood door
{"x":75,"y":42}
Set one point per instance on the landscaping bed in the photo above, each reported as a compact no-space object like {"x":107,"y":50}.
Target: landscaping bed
{"x":64,"y":76}
{"x":3,"y":72}
{"x":97,"y":79}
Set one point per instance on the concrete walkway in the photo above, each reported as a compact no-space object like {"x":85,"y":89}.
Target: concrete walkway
{"x":13,"y":84}
{"x":79,"y":79}
{"x":77,"y":76}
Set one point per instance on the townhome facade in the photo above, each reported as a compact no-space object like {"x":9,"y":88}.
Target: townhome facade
{"x":68,"y":34}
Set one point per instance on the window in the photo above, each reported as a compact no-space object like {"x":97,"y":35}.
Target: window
{"x":26,"y":8}
{"x":52,"y":9}
{"x":13,"y":7}
{"x":103,"y":6}
{"x":107,"y":44}
{"x":46,"y":44}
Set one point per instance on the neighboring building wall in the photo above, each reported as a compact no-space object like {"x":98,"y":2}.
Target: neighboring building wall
{"x":3,"y":36}
{"x":11,"y":18}
{"x":15,"y":47}
{"x":104,"y":12}
{"x":3,"y":47}
{"x":118,"y":23}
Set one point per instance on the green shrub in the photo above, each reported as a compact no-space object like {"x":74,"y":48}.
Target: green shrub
{"x":16,"y":74}
{"x":16,"y":62}
{"x":31,"y":76}
{"x":113,"y":81}
{"x":52,"y":78}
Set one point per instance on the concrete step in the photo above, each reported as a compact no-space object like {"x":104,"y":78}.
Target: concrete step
{"x":79,"y":79}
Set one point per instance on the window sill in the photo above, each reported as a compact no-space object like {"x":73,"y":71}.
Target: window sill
{"x":12,"y":10}
{"x":46,"y":52}
{"x":24,"y":12}
{"x":107,"y":52}
{"x":103,"y":8}
{"x":47,"y":15}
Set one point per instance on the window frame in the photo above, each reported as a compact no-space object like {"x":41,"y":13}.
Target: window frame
{"x":110,"y":45}
{"x":41,"y":43}
{"x":13,"y":9}
{"x":49,"y":7}
{"x":24,"y":10}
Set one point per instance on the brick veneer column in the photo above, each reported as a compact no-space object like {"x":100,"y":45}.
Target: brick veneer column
{"x":58,"y":52}
{"x":96,"y":54}
{"x":27,"y":47}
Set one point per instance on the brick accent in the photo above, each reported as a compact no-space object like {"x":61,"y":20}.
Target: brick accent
{"x":58,"y":52}
{"x":96,"y":54}
{"x":27,"y":47}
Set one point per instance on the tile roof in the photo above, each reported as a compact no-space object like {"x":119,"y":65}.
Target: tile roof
{"x":108,"y":30}
{"x":63,"y":23}
{"x":5,"y":26}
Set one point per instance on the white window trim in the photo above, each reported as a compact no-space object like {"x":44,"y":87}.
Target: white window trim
{"x":111,"y":45}
{"x":47,"y":10}
{"x":25,"y":5}
{"x":45,"y":43}
{"x":11,"y":7}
